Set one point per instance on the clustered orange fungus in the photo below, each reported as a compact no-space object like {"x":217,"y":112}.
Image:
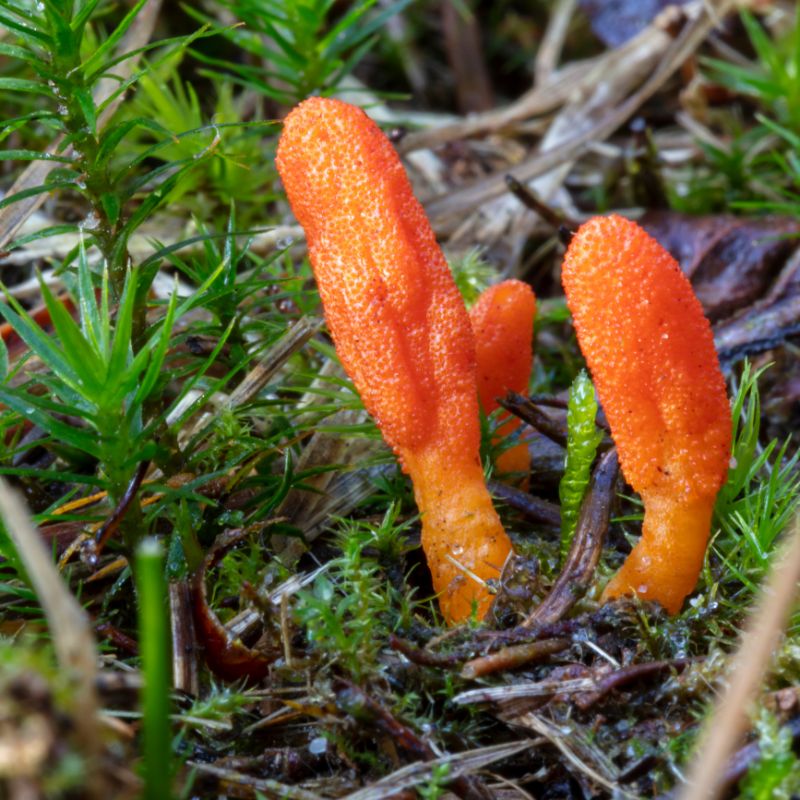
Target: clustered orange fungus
{"x":651,"y":354}
{"x":502,"y":321}
{"x":401,"y":331}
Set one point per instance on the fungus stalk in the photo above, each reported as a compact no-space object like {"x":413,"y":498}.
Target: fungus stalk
{"x":651,"y":354}
{"x":401,"y":331}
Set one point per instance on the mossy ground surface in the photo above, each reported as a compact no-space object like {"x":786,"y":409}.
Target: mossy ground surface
{"x":167,"y":376}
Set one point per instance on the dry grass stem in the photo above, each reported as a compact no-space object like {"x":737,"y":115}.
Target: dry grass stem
{"x":269,"y":788}
{"x":549,"y":52}
{"x":729,"y":719}
{"x":421,"y":771}
{"x":583,"y":758}
{"x":69,"y":626}
{"x":674,"y":53}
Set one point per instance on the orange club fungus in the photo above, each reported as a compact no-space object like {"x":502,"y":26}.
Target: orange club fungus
{"x":502,"y":321}
{"x":401,"y":331}
{"x":651,"y":354}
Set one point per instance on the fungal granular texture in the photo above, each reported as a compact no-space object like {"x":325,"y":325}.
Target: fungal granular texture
{"x":651,"y":354}
{"x":502,"y":321}
{"x":401,"y":331}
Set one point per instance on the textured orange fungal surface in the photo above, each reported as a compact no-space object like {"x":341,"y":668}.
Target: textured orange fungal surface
{"x":401,"y":331}
{"x":502,"y":321}
{"x":651,"y":353}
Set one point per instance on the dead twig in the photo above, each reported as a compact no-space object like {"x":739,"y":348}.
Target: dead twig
{"x":625,"y":675}
{"x":503,"y":696}
{"x":513,"y":657}
{"x":359,"y":705}
{"x":265,"y":786}
{"x":522,"y":407}
{"x":675,"y":53}
{"x":120,"y":640}
{"x":459,"y":764}
{"x":551,"y":401}
{"x":757,"y":332}
{"x":185,"y":662}
{"x":94,"y":547}
{"x":578,"y":753}
{"x":573,"y":79}
{"x":424,"y":657}
{"x":530,"y":200}
{"x":767,"y":323}
{"x":590,"y":534}
{"x":489,"y":641}
{"x":549,"y":51}
{"x":585,"y":690}
{"x":534,"y":508}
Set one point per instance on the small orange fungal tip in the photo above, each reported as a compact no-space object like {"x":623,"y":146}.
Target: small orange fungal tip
{"x":401,"y":332}
{"x":502,"y":321}
{"x":651,"y":353}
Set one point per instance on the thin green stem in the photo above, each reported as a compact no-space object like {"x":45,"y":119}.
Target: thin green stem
{"x":155,"y":654}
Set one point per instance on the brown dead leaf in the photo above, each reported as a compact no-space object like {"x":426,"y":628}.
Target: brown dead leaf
{"x":226,"y":656}
{"x":731,"y":261}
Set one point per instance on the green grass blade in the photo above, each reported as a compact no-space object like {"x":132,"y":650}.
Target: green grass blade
{"x":96,"y":58}
{"x":24,"y":85}
{"x":80,"y":354}
{"x":154,"y":645}
{"x":32,"y":155}
{"x":26,"y":32}
{"x":21,"y":54}
{"x":91,"y":323}
{"x":158,"y":354}
{"x":31,"y":407}
{"x":82,"y":17}
{"x":34,"y":190}
{"x":38,"y":341}
{"x":121,"y":346}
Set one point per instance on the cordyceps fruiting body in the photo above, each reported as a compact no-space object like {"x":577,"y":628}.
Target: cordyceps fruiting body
{"x":401,"y":331}
{"x":502,"y":321}
{"x":651,"y":354}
